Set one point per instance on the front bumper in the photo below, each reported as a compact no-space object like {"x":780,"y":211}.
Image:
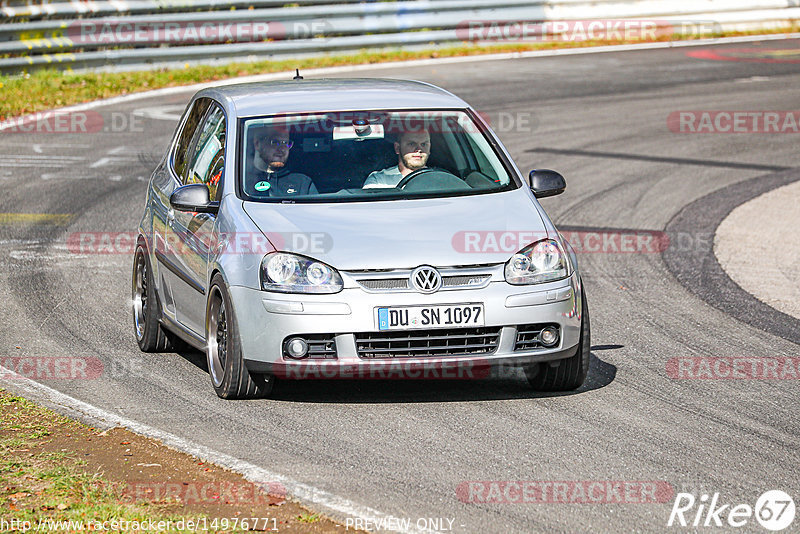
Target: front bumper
{"x":267,"y":319}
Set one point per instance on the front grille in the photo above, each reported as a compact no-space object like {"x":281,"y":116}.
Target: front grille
{"x":320,"y":346}
{"x":423,"y":343}
{"x":528,"y":336}
{"x":385,"y":283}
{"x":448,"y":282}
{"x":453,"y":278}
{"x":465,"y":281}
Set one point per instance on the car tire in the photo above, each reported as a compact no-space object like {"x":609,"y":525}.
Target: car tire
{"x":571,"y":372}
{"x":229,"y":376}
{"x":146,"y":310}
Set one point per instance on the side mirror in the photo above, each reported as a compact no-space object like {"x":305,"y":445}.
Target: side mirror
{"x":193,"y":197}
{"x":546,"y":183}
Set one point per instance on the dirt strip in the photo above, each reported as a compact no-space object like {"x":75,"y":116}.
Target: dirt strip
{"x":56,"y":469}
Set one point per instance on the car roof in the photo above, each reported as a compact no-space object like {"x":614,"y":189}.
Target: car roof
{"x":333,"y":94}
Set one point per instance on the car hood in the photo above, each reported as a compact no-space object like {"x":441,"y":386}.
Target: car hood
{"x":397,"y":234}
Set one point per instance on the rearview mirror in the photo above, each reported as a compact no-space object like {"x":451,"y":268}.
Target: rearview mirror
{"x":546,"y":183}
{"x":193,"y":197}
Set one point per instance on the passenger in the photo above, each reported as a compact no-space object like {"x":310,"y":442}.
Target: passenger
{"x":267,"y":173}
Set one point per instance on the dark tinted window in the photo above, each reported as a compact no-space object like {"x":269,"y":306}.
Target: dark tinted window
{"x":196,"y":115}
{"x":208,"y":158}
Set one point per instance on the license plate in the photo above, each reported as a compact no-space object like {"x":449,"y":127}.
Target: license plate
{"x":406,"y":317}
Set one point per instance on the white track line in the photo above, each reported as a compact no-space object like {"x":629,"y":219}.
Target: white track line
{"x":337,"y":507}
{"x":25,"y":119}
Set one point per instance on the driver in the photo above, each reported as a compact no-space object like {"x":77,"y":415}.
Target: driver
{"x":413,"y":149}
{"x":268,"y":173}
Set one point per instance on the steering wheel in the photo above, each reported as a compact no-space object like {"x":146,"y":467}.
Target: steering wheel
{"x":435,"y":179}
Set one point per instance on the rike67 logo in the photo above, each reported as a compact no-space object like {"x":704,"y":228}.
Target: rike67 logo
{"x":774,"y":510}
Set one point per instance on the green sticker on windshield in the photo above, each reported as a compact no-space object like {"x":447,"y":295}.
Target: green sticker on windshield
{"x":263,"y":186}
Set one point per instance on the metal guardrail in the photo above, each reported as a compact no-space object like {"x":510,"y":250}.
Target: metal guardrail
{"x":77,"y":9}
{"x":57,"y":28}
{"x":153,"y":39}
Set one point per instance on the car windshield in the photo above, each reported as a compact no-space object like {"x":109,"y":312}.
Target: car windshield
{"x":375,"y":155}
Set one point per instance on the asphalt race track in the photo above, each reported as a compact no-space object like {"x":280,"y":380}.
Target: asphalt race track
{"x":404,"y":448}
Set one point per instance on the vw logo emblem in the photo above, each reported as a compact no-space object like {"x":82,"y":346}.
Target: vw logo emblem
{"x":426,"y":279}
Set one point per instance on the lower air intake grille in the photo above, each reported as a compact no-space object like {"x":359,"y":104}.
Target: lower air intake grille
{"x":528,"y":336}
{"x":320,"y":346}
{"x":423,"y":343}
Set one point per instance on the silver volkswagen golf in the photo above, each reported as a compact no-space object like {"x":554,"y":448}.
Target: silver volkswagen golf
{"x":353,"y":228}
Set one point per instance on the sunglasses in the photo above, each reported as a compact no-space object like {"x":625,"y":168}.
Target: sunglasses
{"x":280,"y":142}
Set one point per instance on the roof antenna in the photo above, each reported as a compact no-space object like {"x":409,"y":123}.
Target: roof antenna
{"x":297,"y":76}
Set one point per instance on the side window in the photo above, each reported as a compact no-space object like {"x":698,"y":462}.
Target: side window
{"x":480,"y":148}
{"x":208,"y":155}
{"x":196,"y":114}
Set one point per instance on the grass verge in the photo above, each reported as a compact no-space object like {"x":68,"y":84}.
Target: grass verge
{"x":54,"y":470}
{"x":48,"y":89}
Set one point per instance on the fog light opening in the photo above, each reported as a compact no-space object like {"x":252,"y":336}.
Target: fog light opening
{"x":296,"y":348}
{"x":549,"y":336}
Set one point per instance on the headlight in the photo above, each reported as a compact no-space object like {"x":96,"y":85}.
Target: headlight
{"x":290,"y":273}
{"x":540,"y":262}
